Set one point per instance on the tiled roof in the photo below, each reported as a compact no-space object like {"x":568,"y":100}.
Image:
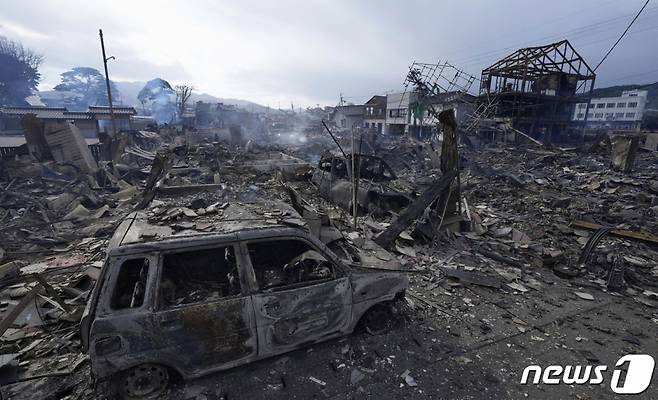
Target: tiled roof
{"x":350,"y":110}
{"x":118,"y":110}
{"x":45,"y":112}
{"x":40,"y":112}
{"x":61,"y":113}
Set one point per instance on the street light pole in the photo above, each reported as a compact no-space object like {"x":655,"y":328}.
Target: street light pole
{"x":107,"y":83}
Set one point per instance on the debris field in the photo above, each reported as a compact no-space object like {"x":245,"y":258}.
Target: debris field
{"x":522,"y":254}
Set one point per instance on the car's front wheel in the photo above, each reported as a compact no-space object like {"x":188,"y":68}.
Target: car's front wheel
{"x":377,"y":319}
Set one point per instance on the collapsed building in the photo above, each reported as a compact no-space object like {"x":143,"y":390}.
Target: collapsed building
{"x":535,"y":90}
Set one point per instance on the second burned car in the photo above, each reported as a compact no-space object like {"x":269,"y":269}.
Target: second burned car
{"x":376,"y":193}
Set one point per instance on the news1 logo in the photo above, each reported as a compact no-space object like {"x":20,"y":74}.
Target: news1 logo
{"x":639,"y":371}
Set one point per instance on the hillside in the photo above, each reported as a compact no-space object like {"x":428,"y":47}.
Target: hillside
{"x":613,"y":91}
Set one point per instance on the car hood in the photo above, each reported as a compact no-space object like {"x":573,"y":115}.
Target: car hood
{"x":374,"y":257}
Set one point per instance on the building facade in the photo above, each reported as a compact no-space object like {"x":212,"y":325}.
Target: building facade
{"x":374,"y":114}
{"x":346,"y":117}
{"x":397,"y":112}
{"x":622,"y":112}
{"x":422,"y":122}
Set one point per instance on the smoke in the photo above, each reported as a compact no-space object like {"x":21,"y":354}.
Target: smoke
{"x":294,"y":137}
{"x":159,"y":99}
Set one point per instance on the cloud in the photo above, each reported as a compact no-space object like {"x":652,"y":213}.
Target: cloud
{"x":311,"y":51}
{"x":12,"y":29}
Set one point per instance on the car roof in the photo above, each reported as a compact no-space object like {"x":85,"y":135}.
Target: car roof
{"x":156,"y":229}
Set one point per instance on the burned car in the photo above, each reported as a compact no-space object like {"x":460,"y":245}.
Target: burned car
{"x":187,"y":302}
{"x":375,"y":192}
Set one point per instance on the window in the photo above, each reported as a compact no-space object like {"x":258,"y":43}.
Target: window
{"x":598,"y":115}
{"x":610,"y":105}
{"x":590,"y":115}
{"x":199,"y":275}
{"x":390,"y":113}
{"x":582,"y":105}
{"x":130,"y":286}
{"x":619,"y":115}
{"x":403,"y":112}
{"x":608,"y":115}
{"x":621,"y":105}
{"x":279,"y":263}
{"x":632,"y":105}
{"x":600,"y":105}
{"x":630,"y":115}
{"x":580,"y":115}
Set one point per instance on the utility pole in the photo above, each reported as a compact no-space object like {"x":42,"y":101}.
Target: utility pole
{"x":107,"y":83}
{"x":355,"y":181}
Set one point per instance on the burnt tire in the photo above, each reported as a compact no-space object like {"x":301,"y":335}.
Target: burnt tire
{"x":378,"y":319}
{"x":145,"y":381}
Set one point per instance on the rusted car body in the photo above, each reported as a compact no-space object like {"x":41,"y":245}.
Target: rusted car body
{"x":375,"y":194}
{"x":202,"y":302}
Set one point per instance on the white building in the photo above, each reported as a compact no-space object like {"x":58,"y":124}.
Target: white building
{"x":397,"y":112}
{"x":624,"y":112}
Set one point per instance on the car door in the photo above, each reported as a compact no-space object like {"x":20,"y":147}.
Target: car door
{"x":301,"y":296}
{"x":123,"y":315}
{"x":204,"y":316}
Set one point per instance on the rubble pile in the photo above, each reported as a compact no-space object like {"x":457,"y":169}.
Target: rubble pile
{"x":543,"y":206}
{"x":534,"y":224}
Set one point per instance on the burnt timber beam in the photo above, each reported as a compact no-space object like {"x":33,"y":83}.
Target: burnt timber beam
{"x":415,"y":210}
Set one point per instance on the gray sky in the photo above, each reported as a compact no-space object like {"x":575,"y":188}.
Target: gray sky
{"x":308,"y":52}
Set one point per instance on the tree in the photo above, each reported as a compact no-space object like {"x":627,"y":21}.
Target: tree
{"x":19,"y":72}
{"x":158,"y":99}
{"x":85,"y":87}
{"x":183,"y":93}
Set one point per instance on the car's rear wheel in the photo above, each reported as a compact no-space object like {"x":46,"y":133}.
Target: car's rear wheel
{"x":377,"y":319}
{"x":146,"y":381}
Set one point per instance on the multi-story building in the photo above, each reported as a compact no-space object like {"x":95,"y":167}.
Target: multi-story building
{"x":423,"y":120}
{"x":374,"y":114}
{"x":623,"y":112}
{"x":397,"y":112}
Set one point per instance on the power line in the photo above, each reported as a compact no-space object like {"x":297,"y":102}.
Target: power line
{"x":581,"y":31}
{"x":468,"y":47}
{"x":622,"y":35}
{"x":584,"y":31}
{"x":621,"y":78}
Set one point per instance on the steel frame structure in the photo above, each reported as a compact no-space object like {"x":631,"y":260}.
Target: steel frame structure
{"x":536,"y":87}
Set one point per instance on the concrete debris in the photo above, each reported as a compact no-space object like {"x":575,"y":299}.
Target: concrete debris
{"x":67,"y":145}
{"x":584,"y":296}
{"x":624,"y":152}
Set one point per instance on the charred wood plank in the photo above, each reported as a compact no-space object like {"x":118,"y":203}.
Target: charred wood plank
{"x":415,"y":210}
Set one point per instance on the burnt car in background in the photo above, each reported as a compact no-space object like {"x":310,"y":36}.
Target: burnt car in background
{"x":379,"y":190}
{"x":189,"y":303}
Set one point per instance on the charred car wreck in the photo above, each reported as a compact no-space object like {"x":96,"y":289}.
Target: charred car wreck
{"x":187,"y":303}
{"x":375,"y":195}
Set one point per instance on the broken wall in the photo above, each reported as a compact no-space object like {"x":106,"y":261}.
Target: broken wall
{"x":67,"y":146}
